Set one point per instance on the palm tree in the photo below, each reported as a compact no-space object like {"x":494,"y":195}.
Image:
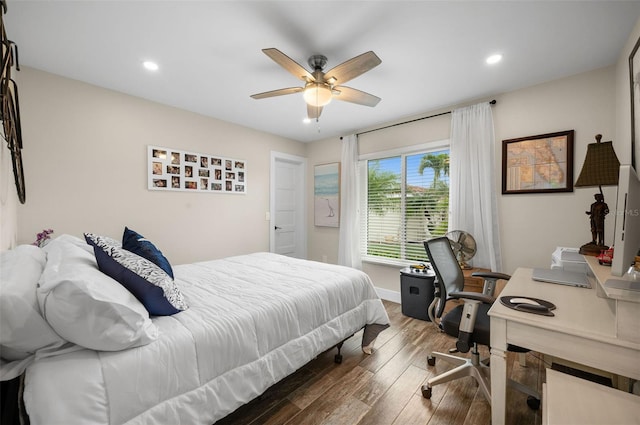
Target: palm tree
{"x":381,"y":184}
{"x":438,"y":163}
{"x":435,"y":202}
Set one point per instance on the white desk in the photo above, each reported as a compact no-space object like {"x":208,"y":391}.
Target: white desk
{"x":584,"y":330}
{"x":573,"y":401}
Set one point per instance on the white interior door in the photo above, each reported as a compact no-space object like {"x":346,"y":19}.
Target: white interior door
{"x":288,"y":205}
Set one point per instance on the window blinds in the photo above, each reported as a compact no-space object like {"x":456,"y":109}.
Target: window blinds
{"x":406,"y":202}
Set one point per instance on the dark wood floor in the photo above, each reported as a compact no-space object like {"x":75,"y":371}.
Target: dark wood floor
{"x":384,"y":387}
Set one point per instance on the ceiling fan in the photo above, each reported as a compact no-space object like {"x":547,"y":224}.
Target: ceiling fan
{"x":320,"y":87}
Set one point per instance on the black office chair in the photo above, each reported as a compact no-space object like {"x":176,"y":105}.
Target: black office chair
{"x":468,"y":322}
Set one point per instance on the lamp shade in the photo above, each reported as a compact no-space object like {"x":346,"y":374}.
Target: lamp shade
{"x":601,"y":165}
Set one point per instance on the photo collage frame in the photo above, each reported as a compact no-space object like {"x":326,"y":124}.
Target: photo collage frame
{"x":177,"y":170}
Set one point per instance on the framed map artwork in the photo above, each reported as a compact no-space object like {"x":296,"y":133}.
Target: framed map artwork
{"x":538,"y":164}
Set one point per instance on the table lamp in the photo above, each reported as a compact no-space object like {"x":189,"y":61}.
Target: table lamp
{"x":601,"y":167}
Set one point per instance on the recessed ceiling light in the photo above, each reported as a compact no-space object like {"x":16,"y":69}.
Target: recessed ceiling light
{"x":493,"y":59}
{"x":151,"y":66}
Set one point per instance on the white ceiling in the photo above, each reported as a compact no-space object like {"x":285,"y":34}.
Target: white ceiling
{"x":210,"y":56}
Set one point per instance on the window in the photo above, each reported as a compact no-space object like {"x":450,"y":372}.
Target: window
{"x":405,"y":201}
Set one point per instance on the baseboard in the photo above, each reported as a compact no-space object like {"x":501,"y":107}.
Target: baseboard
{"x":389,"y":295}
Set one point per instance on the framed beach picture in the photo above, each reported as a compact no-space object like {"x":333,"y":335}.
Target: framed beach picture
{"x":326,"y":192}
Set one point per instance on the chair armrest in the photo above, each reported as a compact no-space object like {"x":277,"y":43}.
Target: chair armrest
{"x":468,"y":315}
{"x":491,"y":275}
{"x":490,"y":280}
{"x":473,"y":296}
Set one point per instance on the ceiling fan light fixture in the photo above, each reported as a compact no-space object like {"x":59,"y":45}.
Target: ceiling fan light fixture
{"x":319,"y":86}
{"x":317,"y":94}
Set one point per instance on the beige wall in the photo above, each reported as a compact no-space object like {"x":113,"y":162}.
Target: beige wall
{"x":531,"y":225}
{"x":85,"y":170}
{"x":321,"y":241}
{"x":534,"y":225}
{"x":85,"y":165}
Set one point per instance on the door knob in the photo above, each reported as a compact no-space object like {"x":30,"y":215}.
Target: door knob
{"x":276,"y":227}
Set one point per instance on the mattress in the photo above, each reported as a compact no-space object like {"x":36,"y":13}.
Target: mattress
{"x":252,"y":320}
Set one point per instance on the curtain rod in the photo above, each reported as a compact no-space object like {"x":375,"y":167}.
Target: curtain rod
{"x":493,"y":102}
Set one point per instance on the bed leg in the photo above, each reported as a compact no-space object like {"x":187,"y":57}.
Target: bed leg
{"x":338,"y":357}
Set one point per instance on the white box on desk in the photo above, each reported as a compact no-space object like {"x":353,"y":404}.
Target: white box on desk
{"x":568,"y":259}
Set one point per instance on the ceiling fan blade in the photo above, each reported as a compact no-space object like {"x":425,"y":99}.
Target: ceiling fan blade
{"x":279,"y":92}
{"x":348,"y":94}
{"x":289,"y":64}
{"x":313,"y":112}
{"x":352,"y":68}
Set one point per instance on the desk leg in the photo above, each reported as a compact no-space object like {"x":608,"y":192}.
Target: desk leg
{"x":498,"y":371}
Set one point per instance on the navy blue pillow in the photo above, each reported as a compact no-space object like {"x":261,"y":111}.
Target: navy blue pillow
{"x":146,"y":281}
{"x":136,"y":243}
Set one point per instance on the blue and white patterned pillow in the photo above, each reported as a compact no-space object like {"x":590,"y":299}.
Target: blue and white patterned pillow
{"x":154,"y":288}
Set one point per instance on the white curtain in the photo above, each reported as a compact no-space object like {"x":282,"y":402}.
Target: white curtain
{"x":349,"y":243}
{"x":8,"y":202}
{"x":473,"y":200}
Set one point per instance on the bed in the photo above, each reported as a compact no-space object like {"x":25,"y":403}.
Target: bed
{"x":90,"y":351}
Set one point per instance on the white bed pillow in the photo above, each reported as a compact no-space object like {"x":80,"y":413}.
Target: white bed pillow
{"x":23,"y":330}
{"x":73,"y":240}
{"x":85,"y":306}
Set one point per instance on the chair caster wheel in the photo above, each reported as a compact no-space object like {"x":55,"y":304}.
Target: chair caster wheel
{"x":533,"y":403}
{"x":338,"y":358}
{"x":426,"y":392}
{"x":431,"y":361}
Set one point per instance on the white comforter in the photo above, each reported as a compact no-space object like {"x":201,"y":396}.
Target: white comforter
{"x":252,"y":320}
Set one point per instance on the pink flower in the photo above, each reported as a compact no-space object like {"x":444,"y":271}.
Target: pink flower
{"x":43,"y":237}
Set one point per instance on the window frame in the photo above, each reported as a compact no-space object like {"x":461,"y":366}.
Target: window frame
{"x":363,"y":159}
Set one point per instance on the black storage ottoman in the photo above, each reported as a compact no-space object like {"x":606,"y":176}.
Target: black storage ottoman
{"x":416,"y":292}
